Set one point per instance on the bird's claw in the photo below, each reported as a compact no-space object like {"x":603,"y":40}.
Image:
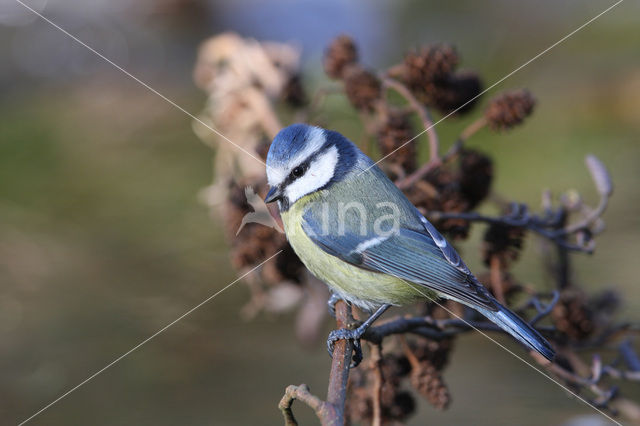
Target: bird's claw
{"x":346,"y":334}
{"x":331,"y":303}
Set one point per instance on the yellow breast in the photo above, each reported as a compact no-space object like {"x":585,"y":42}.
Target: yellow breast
{"x":362,"y":287}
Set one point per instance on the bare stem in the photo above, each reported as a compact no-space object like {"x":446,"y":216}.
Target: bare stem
{"x":303,"y":394}
{"x":376,"y":359}
{"x":331,"y":411}
{"x":472,"y":128}
{"x":343,"y":349}
{"x":423,"y":113}
{"x":427,"y":167}
{"x":436,"y":162}
{"x":496,"y":279}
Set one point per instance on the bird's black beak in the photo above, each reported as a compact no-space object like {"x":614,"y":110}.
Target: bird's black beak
{"x":274,"y":194}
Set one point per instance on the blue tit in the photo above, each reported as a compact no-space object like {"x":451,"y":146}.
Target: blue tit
{"x":356,"y":231}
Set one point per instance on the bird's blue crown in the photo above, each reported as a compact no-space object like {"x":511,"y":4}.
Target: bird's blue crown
{"x":300,"y":142}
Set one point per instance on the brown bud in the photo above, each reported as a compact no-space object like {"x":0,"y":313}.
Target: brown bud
{"x":403,"y":406}
{"x":503,"y":241}
{"x":509,"y":109}
{"x":428,"y":65}
{"x":476,"y":175}
{"x":293,"y":92}
{"x":452,"y":201}
{"x":262,"y":148}
{"x":362,"y":87}
{"x":256,"y":242}
{"x":395,"y":403}
{"x":359,"y":405}
{"x":572,"y":315}
{"x":426,"y":379}
{"x":341,"y":52}
{"x":435,"y":351}
{"x":393,"y":135}
{"x":461,"y":91}
{"x":287,"y":266}
{"x":440,"y":191}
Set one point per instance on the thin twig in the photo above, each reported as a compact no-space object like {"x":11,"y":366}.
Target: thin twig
{"x":422,"y":171}
{"x":303,"y":394}
{"x":496,"y":279}
{"x":531,"y":222}
{"x":331,"y":411}
{"x":423,"y":113}
{"x":426,"y":168}
{"x":376,"y":360}
{"x":472,"y":129}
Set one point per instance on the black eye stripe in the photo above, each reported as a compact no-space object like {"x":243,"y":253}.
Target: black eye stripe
{"x":297,"y":171}
{"x":304,"y":166}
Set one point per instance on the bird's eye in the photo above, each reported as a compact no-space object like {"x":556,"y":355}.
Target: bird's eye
{"x":297,"y":172}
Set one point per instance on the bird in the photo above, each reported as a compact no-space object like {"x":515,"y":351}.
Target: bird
{"x":355,"y":230}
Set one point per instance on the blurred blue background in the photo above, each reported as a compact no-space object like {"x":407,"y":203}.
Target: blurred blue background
{"x":103,"y":240}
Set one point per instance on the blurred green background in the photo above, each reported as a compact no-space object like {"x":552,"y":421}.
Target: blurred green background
{"x":103,"y":241}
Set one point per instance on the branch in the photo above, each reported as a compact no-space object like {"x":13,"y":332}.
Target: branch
{"x":422,"y":171}
{"x":331,"y":411}
{"x":547,"y":227}
{"x":303,"y":394}
{"x":435,"y":329}
{"x":343,"y":349}
{"x":423,"y":113}
{"x":427,"y":167}
{"x":376,"y":360}
{"x":543,"y":310}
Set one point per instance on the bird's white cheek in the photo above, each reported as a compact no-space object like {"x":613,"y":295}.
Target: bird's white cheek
{"x":320,"y":173}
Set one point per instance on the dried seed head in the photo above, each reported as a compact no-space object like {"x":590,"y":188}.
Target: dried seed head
{"x":424,"y":195}
{"x":287,"y":266}
{"x":256,"y":242}
{"x":341,"y":52}
{"x":509,"y":109}
{"x":440,"y":191}
{"x":403,"y":406}
{"x":573,"y":316}
{"x":395,"y":403}
{"x":394,"y":134}
{"x":362,"y":87}
{"x":426,"y":379}
{"x":503,"y":241}
{"x":359,"y":404}
{"x":461,"y":90}
{"x":262,"y":148}
{"x":293,"y":92}
{"x":435,"y":351}
{"x":476,"y":175}
{"x":428,"y":65}
{"x":452,"y":201}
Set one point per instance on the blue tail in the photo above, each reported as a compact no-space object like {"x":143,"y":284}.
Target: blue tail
{"x":520,"y":330}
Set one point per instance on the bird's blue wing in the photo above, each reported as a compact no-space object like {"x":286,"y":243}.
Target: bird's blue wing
{"x":421,"y":256}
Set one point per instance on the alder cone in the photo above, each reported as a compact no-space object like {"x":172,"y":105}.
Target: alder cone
{"x":362,"y":87}
{"x":342,"y":51}
{"x":509,"y":109}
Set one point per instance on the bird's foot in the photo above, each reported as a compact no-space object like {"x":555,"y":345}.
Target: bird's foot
{"x":347,"y":334}
{"x":354,"y":334}
{"x":331,"y":303}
